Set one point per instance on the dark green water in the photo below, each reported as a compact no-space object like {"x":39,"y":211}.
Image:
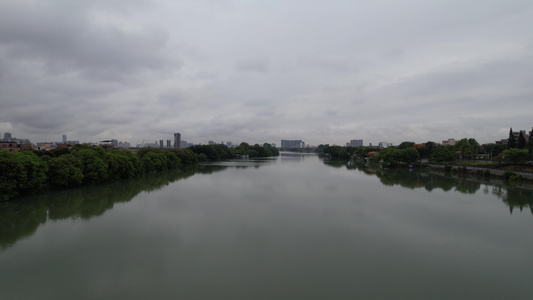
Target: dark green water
{"x":293,"y":227}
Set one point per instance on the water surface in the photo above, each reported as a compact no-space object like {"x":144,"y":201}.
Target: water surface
{"x":292,"y":227}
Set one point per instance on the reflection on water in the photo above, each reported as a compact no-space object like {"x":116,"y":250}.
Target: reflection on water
{"x":295,"y":156}
{"x":20,"y":219}
{"x":516,"y":197}
{"x":293,"y":227}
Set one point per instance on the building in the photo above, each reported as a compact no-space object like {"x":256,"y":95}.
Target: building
{"x":7,"y":137}
{"x":517,"y":135}
{"x":355,"y":143}
{"x":9,"y":146}
{"x":44,"y":146}
{"x":384,"y":144}
{"x":449,"y":142}
{"x":169,"y":142}
{"x":124,"y":145}
{"x":292,"y":144}
{"x":64,"y":138}
{"x":161,"y":144}
{"x":177,"y":140}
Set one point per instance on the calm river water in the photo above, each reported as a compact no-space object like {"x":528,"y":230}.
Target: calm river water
{"x":291,"y":227}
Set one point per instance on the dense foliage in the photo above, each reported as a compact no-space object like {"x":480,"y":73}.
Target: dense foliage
{"x":27,"y":171}
{"x":393,"y":156}
{"x":217,"y":152}
{"x":407,"y":152}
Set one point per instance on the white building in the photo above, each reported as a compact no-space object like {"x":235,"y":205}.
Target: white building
{"x":449,"y":142}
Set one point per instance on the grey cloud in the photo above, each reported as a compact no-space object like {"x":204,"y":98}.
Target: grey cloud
{"x":66,"y":39}
{"x":254,"y":65}
{"x":245,"y":70}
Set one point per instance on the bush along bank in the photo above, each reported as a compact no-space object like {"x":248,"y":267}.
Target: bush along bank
{"x":24,"y":172}
{"x":218,"y":152}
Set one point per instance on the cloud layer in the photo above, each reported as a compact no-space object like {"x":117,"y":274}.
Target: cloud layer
{"x":262,"y":71}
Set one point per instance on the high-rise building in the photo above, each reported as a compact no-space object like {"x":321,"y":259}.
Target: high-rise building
{"x":177,"y":140}
{"x":169,"y":144}
{"x":7,"y":137}
{"x":64,"y":138}
{"x":292,"y":144}
{"x":355,"y":143}
{"x":161,"y":144}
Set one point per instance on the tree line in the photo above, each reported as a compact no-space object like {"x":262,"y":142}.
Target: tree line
{"x":406,"y":152}
{"x":24,"y":172}
{"x":217,"y":152}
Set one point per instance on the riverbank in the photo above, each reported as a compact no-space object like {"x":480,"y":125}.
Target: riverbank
{"x":486,"y":171}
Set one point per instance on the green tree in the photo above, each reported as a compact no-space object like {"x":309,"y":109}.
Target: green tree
{"x":390,"y":156}
{"x":474,"y":146}
{"x":444,"y":154}
{"x":511,"y":143}
{"x":154,"y":161}
{"x":494,"y":149}
{"x":10,"y":175}
{"x":120,"y":164}
{"x":410,"y":155}
{"x":173,"y":161}
{"x":186,"y":156}
{"x":427,"y":151}
{"x":336,"y":152}
{"x":65,"y":170}
{"x":321,"y":147}
{"x":406,"y":145}
{"x":529,"y":146}
{"x":94,"y":168}
{"x":57,"y":152}
{"x":517,"y":155}
{"x":521,"y":144}
{"x":213,"y":152}
{"x":271,"y":151}
{"x":34,"y":170}
{"x":20,"y":171}
{"x":469,"y":148}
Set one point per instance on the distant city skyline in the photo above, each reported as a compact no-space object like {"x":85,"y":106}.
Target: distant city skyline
{"x":263,"y":71}
{"x":284,"y":143}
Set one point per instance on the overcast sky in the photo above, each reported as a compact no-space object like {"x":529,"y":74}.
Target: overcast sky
{"x":261,"y":71}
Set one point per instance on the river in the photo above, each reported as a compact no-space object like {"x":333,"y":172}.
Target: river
{"x":290,"y":227}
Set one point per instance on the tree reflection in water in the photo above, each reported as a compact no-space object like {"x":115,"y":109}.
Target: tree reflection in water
{"x":513,"y":196}
{"x":21,"y":218}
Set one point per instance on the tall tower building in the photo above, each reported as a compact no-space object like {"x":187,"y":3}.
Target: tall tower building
{"x":64,"y":138}
{"x":177,"y":140}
